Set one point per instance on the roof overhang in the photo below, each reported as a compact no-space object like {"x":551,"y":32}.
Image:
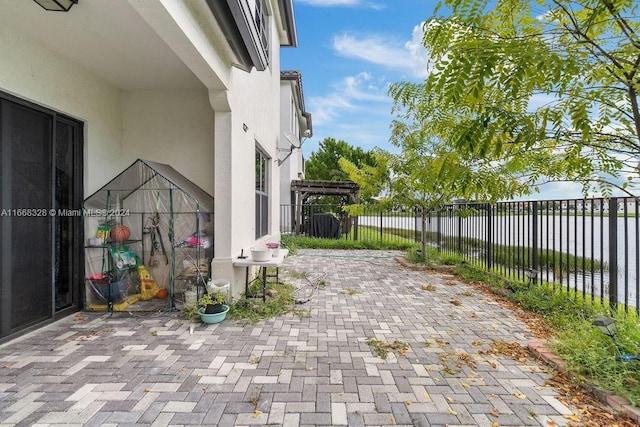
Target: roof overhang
{"x":296,"y":78}
{"x":288,"y":23}
{"x":243,"y":30}
{"x":110,"y":39}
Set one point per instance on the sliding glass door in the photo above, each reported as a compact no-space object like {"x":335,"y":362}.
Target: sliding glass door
{"x":41,"y":238}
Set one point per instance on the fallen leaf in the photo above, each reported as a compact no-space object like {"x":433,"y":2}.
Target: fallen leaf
{"x":551,"y":423}
{"x":494,"y":412}
{"x":520,"y":395}
{"x":452,"y":412}
{"x":256,"y":413}
{"x":426,"y":395}
{"x":573,"y":418}
{"x":147,"y":390}
{"x":494,"y":424}
{"x":450,"y":399}
{"x":309,"y":368}
{"x":465,"y":385}
{"x":409,"y":403}
{"x":7,"y":365}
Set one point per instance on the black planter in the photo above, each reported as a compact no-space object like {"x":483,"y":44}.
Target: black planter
{"x":213,"y":308}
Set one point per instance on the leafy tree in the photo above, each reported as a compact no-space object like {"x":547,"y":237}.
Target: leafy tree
{"x":428,"y":174}
{"x":323,"y":164}
{"x":549,"y":87}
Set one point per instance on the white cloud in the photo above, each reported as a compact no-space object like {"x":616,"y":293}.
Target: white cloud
{"x":417,"y":52}
{"x":347,"y":3}
{"x":326,"y":108}
{"x":363,"y":88}
{"x":353,"y":93}
{"x":554,"y":190}
{"x":410,"y":56}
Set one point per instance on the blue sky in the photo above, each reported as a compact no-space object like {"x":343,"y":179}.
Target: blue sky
{"x":349,"y":52}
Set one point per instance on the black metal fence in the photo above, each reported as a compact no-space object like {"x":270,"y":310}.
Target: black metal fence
{"x":590,"y":247}
{"x":372,"y":224}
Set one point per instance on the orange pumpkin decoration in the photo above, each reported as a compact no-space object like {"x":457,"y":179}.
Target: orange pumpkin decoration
{"x":120,"y":233}
{"x":162,"y":294}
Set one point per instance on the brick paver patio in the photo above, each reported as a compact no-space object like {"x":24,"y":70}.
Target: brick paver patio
{"x":312,"y":368}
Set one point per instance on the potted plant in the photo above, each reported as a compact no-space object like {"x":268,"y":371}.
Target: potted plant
{"x":212,"y":302}
{"x":212,"y":307}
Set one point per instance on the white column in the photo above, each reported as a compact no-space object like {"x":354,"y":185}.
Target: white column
{"x":221,"y":266}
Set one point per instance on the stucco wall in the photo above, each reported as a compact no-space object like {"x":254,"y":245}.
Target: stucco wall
{"x":251,"y":118}
{"x":254,"y":99}
{"x":32,"y":72}
{"x":289,"y":122}
{"x":173,"y":127}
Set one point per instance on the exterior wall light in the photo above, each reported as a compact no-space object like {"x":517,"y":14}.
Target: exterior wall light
{"x":56,"y":5}
{"x":607,"y":326}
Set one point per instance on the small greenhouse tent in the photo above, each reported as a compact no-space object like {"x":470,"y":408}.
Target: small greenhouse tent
{"x":150,"y":240}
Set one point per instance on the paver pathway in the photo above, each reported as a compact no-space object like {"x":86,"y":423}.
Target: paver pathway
{"x":313,"y":368}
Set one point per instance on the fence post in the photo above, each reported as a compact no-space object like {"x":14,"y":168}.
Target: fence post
{"x":355,"y":228}
{"x":439,"y":230}
{"x":381,"y":225}
{"x":489,"y":237}
{"x":415,"y":227}
{"x":534,"y":242}
{"x":459,"y":240}
{"x":613,"y":253}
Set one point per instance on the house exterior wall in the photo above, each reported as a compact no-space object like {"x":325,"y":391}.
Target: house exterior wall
{"x":173,"y":127}
{"x":209,"y":134}
{"x":293,"y":124}
{"x":33,"y":72}
{"x":252,"y":102}
{"x":288,"y":123}
{"x":167,"y":126}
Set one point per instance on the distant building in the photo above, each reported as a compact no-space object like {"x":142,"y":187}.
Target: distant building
{"x":295,"y":128}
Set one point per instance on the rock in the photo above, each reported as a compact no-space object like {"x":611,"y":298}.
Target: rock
{"x":272,"y":293}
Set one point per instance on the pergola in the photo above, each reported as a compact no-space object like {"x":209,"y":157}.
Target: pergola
{"x":302,"y":189}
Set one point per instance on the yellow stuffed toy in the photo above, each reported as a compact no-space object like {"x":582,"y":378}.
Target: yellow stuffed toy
{"x":148,"y":286}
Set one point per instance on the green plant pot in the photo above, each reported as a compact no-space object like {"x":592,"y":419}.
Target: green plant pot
{"x":215,"y":317}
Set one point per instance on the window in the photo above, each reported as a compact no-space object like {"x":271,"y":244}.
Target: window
{"x":249,"y":37}
{"x":262,"y":194}
{"x":262,"y":27}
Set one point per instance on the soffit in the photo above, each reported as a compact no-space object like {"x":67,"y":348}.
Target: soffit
{"x":108,"y":38}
